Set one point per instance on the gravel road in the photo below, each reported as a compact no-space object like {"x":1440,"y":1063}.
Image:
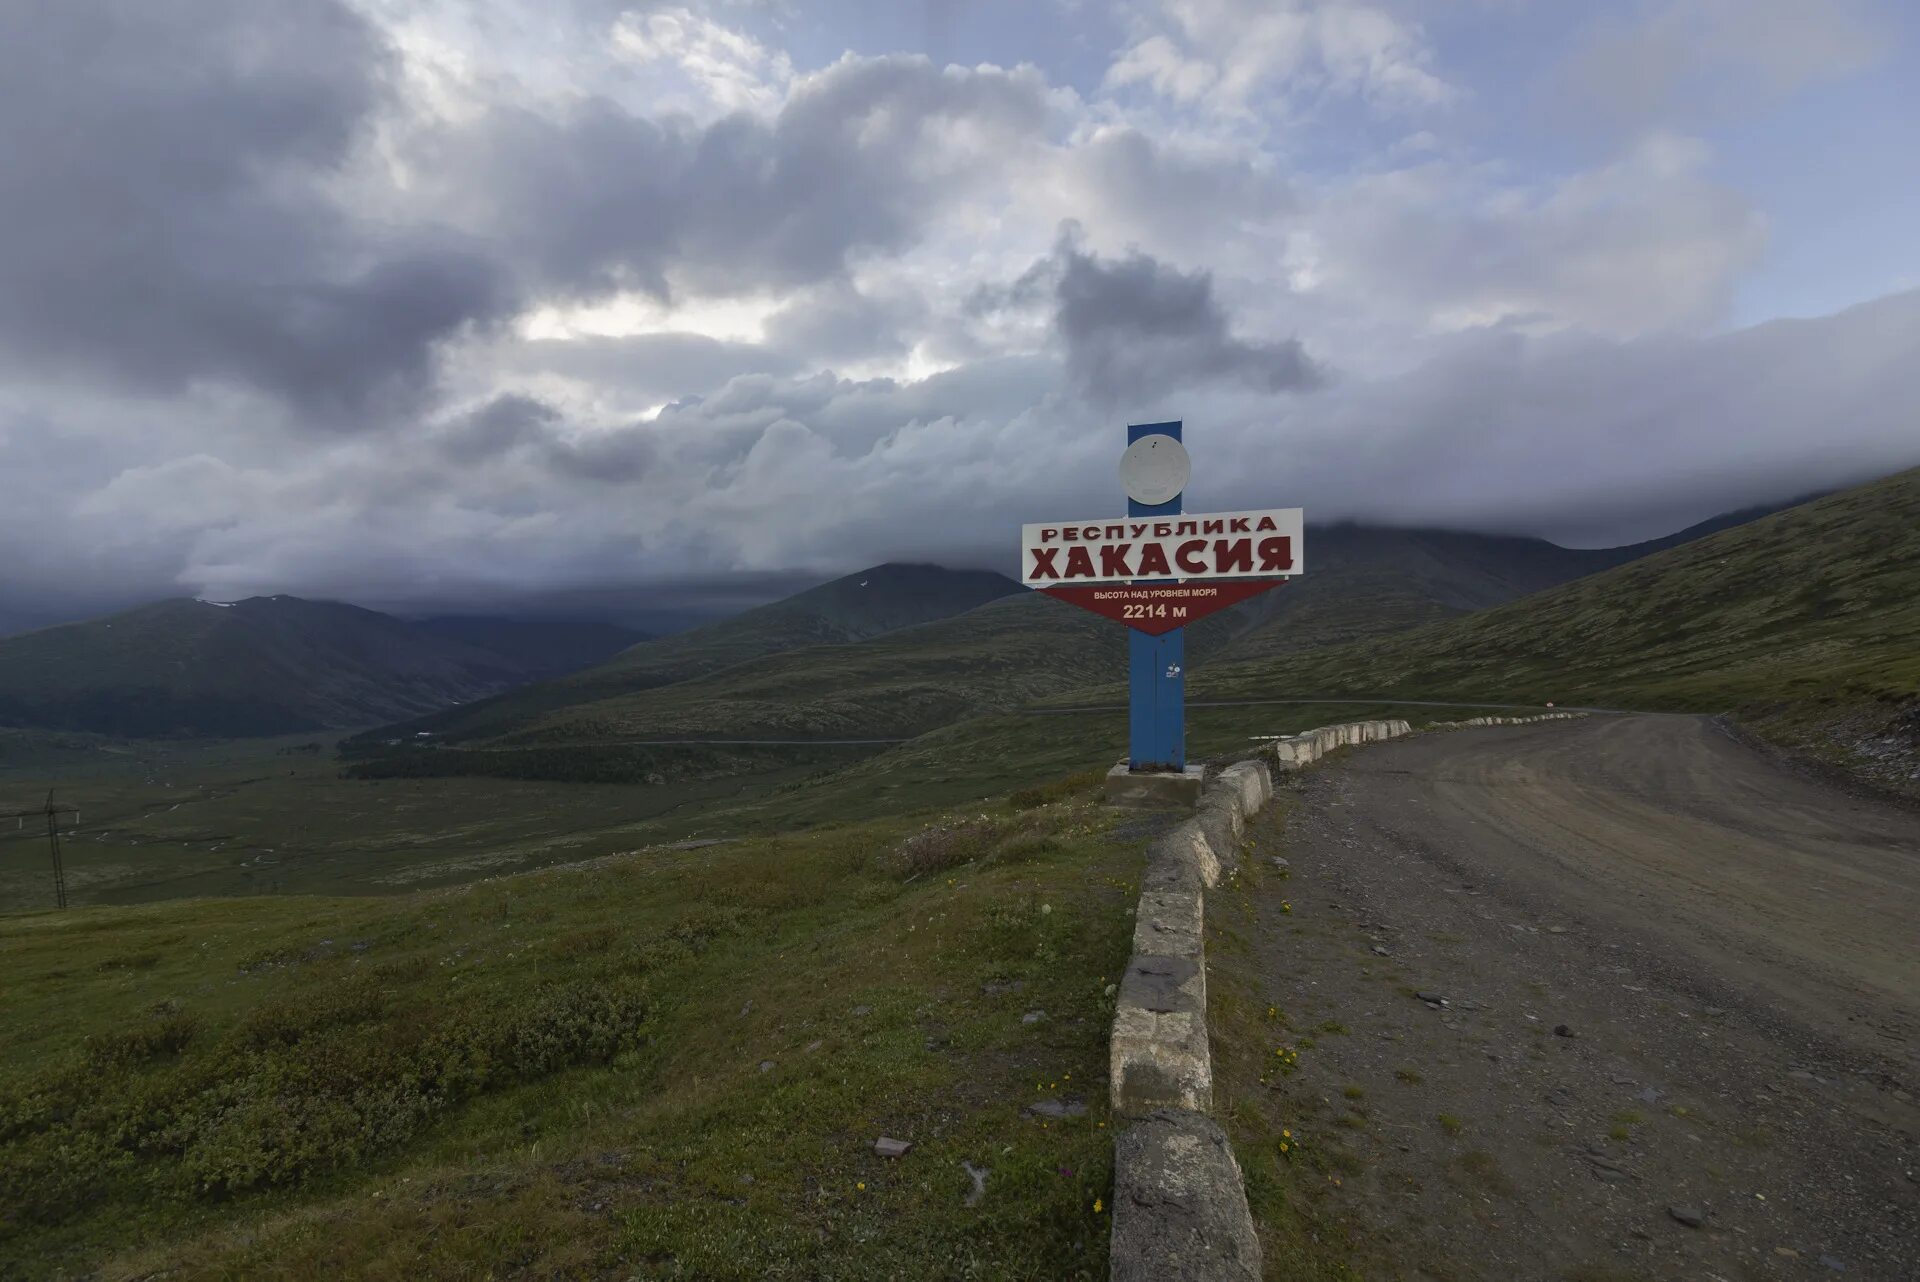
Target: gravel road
{"x":1675,"y":1018}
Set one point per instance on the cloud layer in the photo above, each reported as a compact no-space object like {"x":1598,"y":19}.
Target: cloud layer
{"x":413,"y":304}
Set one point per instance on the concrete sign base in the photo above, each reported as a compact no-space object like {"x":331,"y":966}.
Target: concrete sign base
{"x":1154,"y":789}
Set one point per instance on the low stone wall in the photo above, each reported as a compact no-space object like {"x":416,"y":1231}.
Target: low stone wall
{"x":1179,"y":1205}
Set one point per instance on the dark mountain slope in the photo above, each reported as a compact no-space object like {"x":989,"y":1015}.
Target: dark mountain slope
{"x":882,"y":599}
{"x":1361,"y":582}
{"x":266,"y":665}
{"x":538,"y":648}
{"x":871,"y":603}
{"x":1365,"y":581}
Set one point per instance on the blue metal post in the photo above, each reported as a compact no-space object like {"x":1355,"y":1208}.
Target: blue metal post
{"x":1156,"y":665}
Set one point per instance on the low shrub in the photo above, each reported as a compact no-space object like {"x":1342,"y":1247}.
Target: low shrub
{"x":1024,"y":846}
{"x":166,"y":1031}
{"x":943,"y":846}
{"x":301,"y":1015}
{"x":297,"y":1089}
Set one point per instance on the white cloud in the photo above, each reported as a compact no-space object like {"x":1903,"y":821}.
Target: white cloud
{"x":725,"y":70}
{"x":1645,"y":243}
{"x":1230,"y":54}
{"x":1679,"y":63}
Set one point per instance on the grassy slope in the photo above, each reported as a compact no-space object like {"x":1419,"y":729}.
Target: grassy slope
{"x":558,"y":1072}
{"x":994,"y":658}
{"x":1364,"y":582}
{"x":1820,"y":602}
{"x":243,"y":819}
{"x":900,"y":684}
{"x":671,"y":1062}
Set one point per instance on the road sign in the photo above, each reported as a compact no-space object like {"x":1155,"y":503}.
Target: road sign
{"x":1157,"y":571}
{"x":1262,"y":544}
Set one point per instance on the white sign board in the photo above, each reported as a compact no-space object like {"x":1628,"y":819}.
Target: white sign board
{"x":1210,"y":545}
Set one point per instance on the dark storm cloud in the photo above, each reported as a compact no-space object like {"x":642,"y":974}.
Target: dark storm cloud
{"x":1135,"y":327}
{"x":614,"y":458}
{"x":600,"y":198}
{"x":163,"y":222}
{"x":164,"y":172}
{"x":501,"y":425}
{"x":835,"y":321}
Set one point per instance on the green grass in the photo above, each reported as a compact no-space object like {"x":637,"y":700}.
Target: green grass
{"x":1287,"y":1142}
{"x":559,"y":1073}
{"x":171,"y":820}
{"x":242,"y":819}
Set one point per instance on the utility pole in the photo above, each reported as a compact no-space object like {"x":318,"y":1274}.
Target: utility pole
{"x":52,"y":812}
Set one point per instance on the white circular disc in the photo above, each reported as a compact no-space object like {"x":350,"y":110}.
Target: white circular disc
{"x":1154,"y":469}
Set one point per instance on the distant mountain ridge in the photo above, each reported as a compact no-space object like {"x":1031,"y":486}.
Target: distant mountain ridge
{"x":877,"y":600}
{"x":1361,"y":582}
{"x":539,"y":648}
{"x":886,"y":649}
{"x":261,"y":666}
{"x":856,"y":607}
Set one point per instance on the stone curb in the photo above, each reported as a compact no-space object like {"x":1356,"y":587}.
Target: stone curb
{"x":1179,"y":1205}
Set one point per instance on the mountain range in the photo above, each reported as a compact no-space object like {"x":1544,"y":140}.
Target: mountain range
{"x":763,"y":675}
{"x":271,"y":665}
{"x":890,"y":651}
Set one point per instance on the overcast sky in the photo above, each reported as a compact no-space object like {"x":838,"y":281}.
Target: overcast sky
{"x":424,"y":302}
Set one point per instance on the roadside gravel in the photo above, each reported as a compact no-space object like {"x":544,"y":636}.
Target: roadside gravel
{"x":1616,"y":998}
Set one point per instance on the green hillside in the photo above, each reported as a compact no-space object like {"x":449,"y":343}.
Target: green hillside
{"x":1001,"y":655}
{"x":263,"y":666}
{"x":1805,"y":623}
{"x":871,"y":603}
{"x":879,"y":600}
{"x":1368,"y":581}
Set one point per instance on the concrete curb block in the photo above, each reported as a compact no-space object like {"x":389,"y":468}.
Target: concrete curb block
{"x":1507,"y":721}
{"x":1179,"y":1205}
{"x":1295,"y":752}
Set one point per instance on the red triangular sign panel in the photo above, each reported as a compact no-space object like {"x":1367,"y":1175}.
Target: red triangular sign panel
{"x":1161,"y":607}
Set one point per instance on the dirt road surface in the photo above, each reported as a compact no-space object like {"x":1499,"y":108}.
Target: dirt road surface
{"x":1616,"y":998}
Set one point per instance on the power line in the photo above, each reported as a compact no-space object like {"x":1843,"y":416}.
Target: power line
{"x":52,"y":812}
